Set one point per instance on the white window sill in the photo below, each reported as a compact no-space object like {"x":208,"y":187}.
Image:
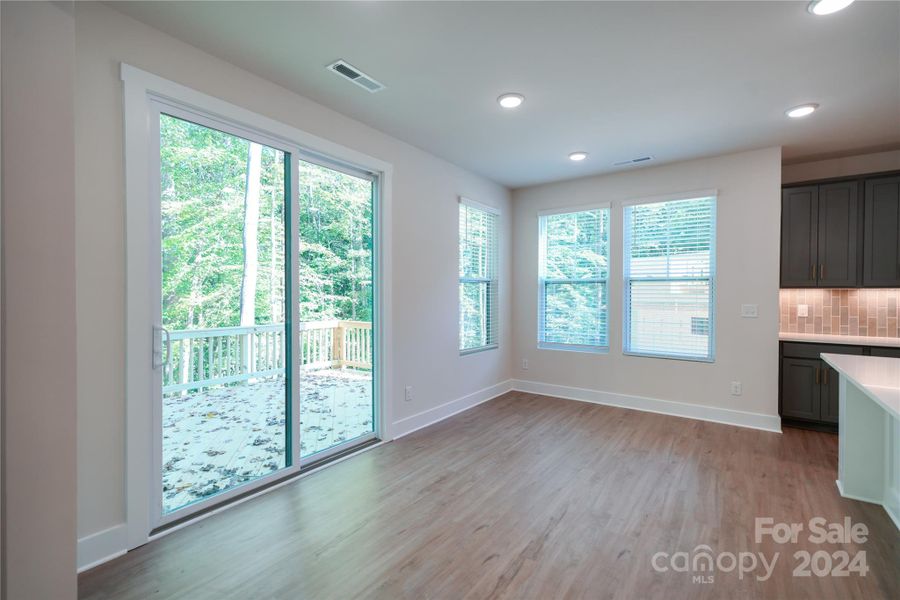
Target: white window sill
{"x":573,"y":348}
{"x":478,"y":349}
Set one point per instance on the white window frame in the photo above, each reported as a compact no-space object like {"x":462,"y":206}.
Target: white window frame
{"x":626,"y":280}
{"x":144,"y":93}
{"x":493,"y":282}
{"x":543,"y":281}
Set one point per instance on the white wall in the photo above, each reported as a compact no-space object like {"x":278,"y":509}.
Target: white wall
{"x":859,"y":164}
{"x":748,"y":214}
{"x":424,"y":290}
{"x":38,"y":44}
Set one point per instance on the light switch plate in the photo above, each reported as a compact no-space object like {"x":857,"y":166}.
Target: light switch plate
{"x":803,"y":310}
{"x":749,"y":311}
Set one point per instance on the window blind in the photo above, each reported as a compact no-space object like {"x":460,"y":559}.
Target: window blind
{"x":478,"y":294}
{"x":670,"y":270}
{"x":574,"y":269}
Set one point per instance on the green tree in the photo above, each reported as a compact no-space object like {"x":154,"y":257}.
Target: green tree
{"x":223,"y":233}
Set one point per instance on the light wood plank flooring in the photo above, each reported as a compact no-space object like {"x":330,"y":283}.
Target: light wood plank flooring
{"x":524,"y":496}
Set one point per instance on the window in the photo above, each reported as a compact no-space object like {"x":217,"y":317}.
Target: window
{"x":670,"y":276}
{"x":574,"y":268}
{"x":477,"y":276}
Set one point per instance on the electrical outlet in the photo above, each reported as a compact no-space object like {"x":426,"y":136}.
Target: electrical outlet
{"x":736,"y":388}
{"x":409,"y":394}
{"x":524,"y":364}
{"x":803,"y":310}
{"x":749,"y":311}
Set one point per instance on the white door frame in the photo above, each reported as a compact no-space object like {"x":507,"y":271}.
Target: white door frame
{"x":144,"y":95}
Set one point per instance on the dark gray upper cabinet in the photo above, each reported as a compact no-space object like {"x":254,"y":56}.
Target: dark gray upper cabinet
{"x":838,"y":227}
{"x":881,"y":247}
{"x":820,"y":235}
{"x":799,"y":236}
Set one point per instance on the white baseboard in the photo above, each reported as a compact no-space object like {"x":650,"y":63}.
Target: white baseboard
{"x":431,"y":416}
{"x":97,"y":548}
{"x":663,"y":407}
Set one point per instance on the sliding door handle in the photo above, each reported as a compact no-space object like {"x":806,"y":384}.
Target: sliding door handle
{"x":168,"y":343}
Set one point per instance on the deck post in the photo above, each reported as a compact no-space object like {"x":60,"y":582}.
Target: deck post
{"x":337,"y":345}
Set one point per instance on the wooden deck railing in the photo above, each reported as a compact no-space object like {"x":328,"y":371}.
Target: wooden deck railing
{"x":199,"y":358}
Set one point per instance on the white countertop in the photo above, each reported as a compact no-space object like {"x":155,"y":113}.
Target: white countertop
{"x":851,"y":340}
{"x":878,"y":377}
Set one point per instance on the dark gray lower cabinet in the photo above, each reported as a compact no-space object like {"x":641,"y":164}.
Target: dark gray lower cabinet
{"x":830,"y":394}
{"x":800,"y":389}
{"x":888,"y":352}
{"x":810,"y":389}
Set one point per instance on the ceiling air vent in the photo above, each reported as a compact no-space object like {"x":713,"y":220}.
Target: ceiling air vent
{"x":633,"y":161}
{"x":351,"y":73}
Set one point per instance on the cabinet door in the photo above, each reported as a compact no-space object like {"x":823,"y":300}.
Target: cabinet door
{"x":838,"y":234}
{"x":881,"y":247}
{"x":799,"y":236}
{"x":800,"y":388}
{"x":830,"y":394}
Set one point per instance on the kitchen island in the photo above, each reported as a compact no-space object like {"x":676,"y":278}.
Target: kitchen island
{"x":869,"y":429}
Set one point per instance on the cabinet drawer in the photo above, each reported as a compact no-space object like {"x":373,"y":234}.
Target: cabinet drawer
{"x":804,"y":350}
{"x":889,"y":352}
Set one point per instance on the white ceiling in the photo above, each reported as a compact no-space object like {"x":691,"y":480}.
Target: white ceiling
{"x":676,"y":80}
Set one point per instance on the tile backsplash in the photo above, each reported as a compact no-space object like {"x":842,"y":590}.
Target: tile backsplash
{"x":862,"y":312}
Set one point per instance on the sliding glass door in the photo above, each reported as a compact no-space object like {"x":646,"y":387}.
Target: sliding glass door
{"x":225,"y":392}
{"x":336,"y":308}
{"x":264,"y":337}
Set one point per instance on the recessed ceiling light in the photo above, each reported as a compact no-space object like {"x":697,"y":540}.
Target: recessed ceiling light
{"x":827,"y":7}
{"x":801,"y":111}
{"x":576,"y":156}
{"x":511,"y":100}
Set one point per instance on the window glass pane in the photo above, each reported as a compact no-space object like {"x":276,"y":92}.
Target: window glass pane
{"x":670,"y":239}
{"x":574,"y":268}
{"x":336,"y":351}
{"x":478,"y":277}
{"x":477,"y":230}
{"x":670,"y":317}
{"x":577,"y":245}
{"x":575,"y":313}
{"x":473,"y":302}
{"x":669,"y":278}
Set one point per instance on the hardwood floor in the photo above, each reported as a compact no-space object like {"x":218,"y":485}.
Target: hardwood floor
{"x":524,"y":497}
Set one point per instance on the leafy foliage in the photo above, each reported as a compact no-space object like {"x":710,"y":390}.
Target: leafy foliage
{"x":335,"y":221}
{"x":203,"y":183}
{"x":478,"y":277}
{"x":575,"y":267}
